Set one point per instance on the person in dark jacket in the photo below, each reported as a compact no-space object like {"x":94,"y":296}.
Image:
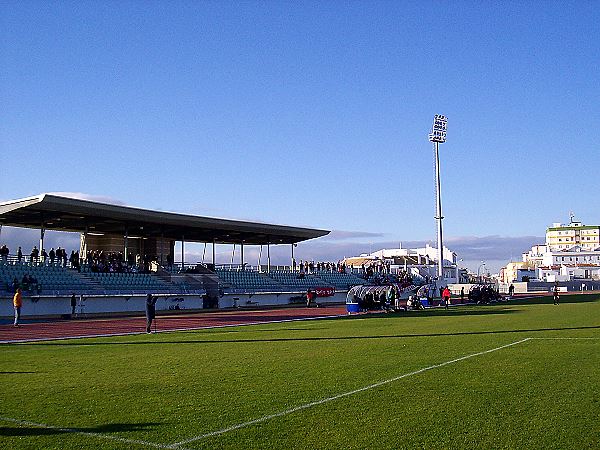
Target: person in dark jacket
{"x":73,"y":304}
{"x":150,"y":311}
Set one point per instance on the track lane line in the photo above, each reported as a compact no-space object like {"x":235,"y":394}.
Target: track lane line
{"x":169,"y":330}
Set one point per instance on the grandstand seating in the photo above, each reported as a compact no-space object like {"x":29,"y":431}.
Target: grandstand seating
{"x":58,"y":280}
{"x":51,"y":279}
{"x":284,"y":280}
{"x":340,"y":280}
{"x":295,"y":281}
{"x":248,"y":280}
{"x":126,"y":282}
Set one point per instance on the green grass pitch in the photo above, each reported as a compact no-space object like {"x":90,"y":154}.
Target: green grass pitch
{"x":315,"y":384}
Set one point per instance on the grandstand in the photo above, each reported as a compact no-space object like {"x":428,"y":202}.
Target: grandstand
{"x":55,"y":279}
{"x":141,"y":248}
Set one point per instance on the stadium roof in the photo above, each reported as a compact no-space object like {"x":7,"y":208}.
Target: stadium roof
{"x":77,"y":215}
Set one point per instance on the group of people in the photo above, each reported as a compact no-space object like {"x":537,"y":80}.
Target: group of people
{"x":114,"y":262}
{"x":58,"y":256}
{"x":320,"y":266}
{"x":402,"y":278}
{"x":381,"y":298}
{"x":27,"y":283}
{"x":379,"y":267}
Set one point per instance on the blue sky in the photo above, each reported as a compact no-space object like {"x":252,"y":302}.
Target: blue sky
{"x":311,"y":113}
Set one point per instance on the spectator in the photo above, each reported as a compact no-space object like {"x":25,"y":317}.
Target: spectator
{"x":17,"y":303}
{"x":4,"y":251}
{"x":19,"y":254}
{"x":35,"y":253}
{"x":391,"y":296}
{"x":52,"y":255}
{"x":310,"y":296}
{"x":25,"y":282}
{"x":446,"y":296}
{"x":150,"y":311}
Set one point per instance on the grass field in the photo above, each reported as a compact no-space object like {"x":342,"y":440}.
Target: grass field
{"x":505,"y":376}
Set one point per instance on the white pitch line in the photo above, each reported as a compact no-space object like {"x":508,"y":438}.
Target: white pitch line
{"x":565,"y":338}
{"x":177,"y":445}
{"x":84,"y":433}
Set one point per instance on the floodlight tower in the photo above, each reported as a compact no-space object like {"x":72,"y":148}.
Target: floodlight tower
{"x":438,"y":136}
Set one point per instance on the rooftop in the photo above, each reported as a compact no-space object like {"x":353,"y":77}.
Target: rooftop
{"x":55,"y":212}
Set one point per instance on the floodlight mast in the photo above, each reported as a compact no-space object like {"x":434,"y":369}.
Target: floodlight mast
{"x":438,"y":136}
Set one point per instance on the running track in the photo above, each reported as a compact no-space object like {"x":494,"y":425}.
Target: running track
{"x":79,"y":328}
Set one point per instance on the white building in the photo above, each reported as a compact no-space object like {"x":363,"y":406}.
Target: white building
{"x":571,"y":251}
{"x":564,"y":237}
{"x":419,"y":261}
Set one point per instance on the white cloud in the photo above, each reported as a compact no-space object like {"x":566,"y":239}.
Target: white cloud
{"x":26,"y":238}
{"x":339,"y":235}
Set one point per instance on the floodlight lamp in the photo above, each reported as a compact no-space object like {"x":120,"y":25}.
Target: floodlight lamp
{"x":438,"y":131}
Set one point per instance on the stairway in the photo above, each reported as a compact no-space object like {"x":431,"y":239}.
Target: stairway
{"x":92,"y":283}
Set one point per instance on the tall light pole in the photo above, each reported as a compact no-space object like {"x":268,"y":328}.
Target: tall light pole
{"x":438,"y":136}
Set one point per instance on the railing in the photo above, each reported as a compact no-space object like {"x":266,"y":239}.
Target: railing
{"x":39,"y":261}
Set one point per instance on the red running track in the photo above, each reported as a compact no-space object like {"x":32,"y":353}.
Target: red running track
{"x":80,"y":328}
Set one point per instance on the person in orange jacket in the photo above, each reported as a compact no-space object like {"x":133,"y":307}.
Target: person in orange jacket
{"x":17,"y":303}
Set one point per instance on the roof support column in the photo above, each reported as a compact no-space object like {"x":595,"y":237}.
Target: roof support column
{"x":182,"y":252}
{"x":213,"y":252}
{"x":293,"y":260}
{"x":259,"y":258}
{"x":242,"y":254}
{"x":162,"y":245}
{"x":42,"y":233}
{"x":126,"y":247}
{"x":83,"y":246}
{"x":269,"y":258}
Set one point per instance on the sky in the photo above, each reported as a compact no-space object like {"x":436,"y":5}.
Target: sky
{"x":310,"y":114}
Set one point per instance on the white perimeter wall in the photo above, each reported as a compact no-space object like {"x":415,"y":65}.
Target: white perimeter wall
{"x":56,"y":306}
{"x":281,"y":299}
